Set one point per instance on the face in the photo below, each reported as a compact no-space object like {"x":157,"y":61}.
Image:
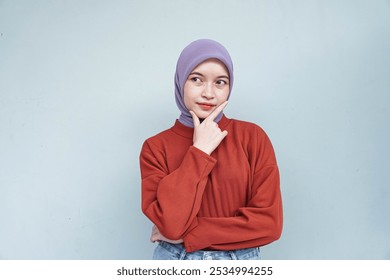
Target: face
{"x":206,"y":87}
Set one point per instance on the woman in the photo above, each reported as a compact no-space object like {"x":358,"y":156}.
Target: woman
{"x":210,"y":184}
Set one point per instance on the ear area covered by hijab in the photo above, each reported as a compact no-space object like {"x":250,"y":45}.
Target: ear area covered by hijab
{"x":191,"y":56}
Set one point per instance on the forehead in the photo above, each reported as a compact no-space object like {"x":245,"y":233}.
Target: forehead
{"x":210,"y":66}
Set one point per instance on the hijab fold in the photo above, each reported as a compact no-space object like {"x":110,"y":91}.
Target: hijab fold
{"x":191,"y":56}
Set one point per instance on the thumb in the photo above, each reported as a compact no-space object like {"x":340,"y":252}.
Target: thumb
{"x":195,"y":119}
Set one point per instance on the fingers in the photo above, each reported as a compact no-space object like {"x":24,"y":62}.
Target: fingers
{"x":195,"y":119}
{"x":224,"y":133}
{"x":217,"y":110}
{"x":155,"y":237}
{"x":155,"y":234}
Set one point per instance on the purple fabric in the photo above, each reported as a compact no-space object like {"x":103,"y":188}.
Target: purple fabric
{"x":192,"y":55}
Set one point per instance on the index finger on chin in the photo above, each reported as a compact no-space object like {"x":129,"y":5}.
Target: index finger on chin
{"x":217,"y":110}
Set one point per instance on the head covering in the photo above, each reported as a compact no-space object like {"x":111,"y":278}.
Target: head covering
{"x":193,"y":55}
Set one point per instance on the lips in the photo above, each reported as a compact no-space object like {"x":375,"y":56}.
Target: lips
{"x":206,"y":106}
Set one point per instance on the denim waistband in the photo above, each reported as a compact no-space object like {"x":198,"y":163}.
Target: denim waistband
{"x":177,"y":252}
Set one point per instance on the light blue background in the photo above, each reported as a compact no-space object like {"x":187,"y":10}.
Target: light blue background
{"x":84,"y":83}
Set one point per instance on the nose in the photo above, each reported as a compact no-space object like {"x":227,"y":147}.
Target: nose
{"x":208,"y":91}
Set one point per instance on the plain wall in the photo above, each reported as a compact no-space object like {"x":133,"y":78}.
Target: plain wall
{"x":84,"y":83}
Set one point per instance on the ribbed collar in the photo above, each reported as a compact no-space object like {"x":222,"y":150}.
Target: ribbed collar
{"x":188,"y":132}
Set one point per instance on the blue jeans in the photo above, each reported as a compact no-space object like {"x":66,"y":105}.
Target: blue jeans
{"x":168,"y":251}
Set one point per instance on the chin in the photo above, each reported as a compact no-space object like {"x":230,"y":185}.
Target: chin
{"x":203,"y":115}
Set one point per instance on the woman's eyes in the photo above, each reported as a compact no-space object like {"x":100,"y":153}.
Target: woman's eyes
{"x":199,"y":81}
{"x":196,"y":80}
{"x":221,"y":82}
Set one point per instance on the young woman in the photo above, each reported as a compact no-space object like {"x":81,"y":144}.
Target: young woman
{"x":210,"y":184}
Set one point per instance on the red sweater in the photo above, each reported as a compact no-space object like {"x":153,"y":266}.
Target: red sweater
{"x":226,"y":201}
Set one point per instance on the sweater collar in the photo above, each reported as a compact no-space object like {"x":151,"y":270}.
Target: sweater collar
{"x":188,"y":132}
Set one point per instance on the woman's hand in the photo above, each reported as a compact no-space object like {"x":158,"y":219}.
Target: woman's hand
{"x":157,"y":236}
{"x":207,"y":135}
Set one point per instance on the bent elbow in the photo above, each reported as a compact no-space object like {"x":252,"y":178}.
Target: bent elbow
{"x":277,"y":231}
{"x":277,"y":234}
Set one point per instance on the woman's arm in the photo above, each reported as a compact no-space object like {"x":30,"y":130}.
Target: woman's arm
{"x":172,"y":200}
{"x":257,"y":224}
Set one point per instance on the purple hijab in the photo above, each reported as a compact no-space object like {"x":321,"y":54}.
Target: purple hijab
{"x":193,"y":55}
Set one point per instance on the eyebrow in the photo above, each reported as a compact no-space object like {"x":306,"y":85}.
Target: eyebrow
{"x":223,"y":76}
{"x":200,"y":74}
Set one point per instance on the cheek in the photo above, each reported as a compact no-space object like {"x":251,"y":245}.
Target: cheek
{"x":224,"y":95}
{"x":186,"y":101}
{"x":190,"y":93}
{"x":187,"y":95}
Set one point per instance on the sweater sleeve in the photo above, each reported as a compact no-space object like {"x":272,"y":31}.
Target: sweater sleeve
{"x":258,"y":223}
{"x":171,"y":200}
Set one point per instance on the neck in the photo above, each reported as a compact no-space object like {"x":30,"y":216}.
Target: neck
{"x":186,"y":119}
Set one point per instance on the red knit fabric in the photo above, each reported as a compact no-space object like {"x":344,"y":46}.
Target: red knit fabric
{"x":226,"y":201}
